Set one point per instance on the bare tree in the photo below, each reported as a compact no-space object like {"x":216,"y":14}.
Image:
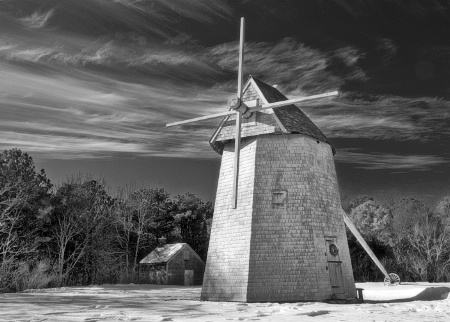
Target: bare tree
{"x":146,"y":204}
{"x":24,"y":197}
{"x":135,"y":214}
{"x":10,"y":218}
{"x":422,"y":242}
{"x":123,"y":224}
{"x":81,"y":204}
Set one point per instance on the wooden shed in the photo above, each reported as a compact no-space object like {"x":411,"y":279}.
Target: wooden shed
{"x":173,"y":264}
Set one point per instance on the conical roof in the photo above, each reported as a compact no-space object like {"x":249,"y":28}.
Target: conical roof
{"x":286,"y":119}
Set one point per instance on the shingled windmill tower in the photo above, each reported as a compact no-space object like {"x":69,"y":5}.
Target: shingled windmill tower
{"x":278,"y":232}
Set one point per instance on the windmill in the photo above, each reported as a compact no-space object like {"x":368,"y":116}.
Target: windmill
{"x":281,"y":237}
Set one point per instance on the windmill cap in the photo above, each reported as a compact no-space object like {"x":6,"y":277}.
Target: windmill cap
{"x":290,"y":116}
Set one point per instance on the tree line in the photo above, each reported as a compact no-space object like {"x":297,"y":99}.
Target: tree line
{"x":410,"y":237}
{"x":77,"y":233}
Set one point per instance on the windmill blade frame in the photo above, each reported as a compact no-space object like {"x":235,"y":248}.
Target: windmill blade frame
{"x":237,"y":138}
{"x":256,"y":108}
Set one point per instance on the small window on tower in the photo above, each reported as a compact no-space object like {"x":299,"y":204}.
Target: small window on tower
{"x":187,"y":255}
{"x":279,"y":198}
{"x":334,"y":250}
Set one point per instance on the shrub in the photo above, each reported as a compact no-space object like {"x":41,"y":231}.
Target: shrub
{"x":24,"y":275}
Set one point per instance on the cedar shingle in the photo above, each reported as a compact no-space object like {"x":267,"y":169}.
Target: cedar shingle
{"x":292,"y":118}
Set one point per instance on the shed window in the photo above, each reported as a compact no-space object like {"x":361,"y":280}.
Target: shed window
{"x":187,"y":255}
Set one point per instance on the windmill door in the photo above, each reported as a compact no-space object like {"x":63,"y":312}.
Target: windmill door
{"x":188,"y":277}
{"x":334,"y":265}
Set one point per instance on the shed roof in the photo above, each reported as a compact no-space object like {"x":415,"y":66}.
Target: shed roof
{"x":163,"y":254}
{"x":290,"y":116}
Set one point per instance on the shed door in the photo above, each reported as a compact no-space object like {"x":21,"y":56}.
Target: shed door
{"x":334,"y":265}
{"x":189,"y":277}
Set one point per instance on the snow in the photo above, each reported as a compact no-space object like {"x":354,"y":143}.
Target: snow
{"x":406,"y":302}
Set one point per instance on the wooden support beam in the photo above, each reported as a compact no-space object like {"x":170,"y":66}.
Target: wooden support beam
{"x":219,"y":128}
{"x":363,"y":243}
{"x":256,"y":108}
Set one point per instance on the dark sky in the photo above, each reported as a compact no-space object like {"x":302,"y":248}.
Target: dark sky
{"x":88,"y":85}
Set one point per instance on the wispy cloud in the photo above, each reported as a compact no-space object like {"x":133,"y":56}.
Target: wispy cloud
{"x":30,"y":54}
{"x":299,"y":68}
{"x":397,"y":118}
{"x":89,"y":115}
{"x":73,"y":93}
{"x":66,"y":147}
{"x":370,"y":126}
{"x":378,"y":161}
{"x":129,"y":66}
{"x":309,"y":68}
{"x":129,"y":57}
{"x":200,"y":10}
{"x":36,"y":20}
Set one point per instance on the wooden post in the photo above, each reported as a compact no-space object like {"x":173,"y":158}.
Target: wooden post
{"x":363,"y":243}
{"x":237,"y":139}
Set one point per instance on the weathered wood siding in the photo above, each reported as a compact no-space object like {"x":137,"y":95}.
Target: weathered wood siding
{"x":177,"y":265}
{"x":272,"y":246}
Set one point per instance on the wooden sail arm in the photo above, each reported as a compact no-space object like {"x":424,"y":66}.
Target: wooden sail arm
{"x":363,"y":243}
{"x":237,"y":137}
{"x":256,"y":108}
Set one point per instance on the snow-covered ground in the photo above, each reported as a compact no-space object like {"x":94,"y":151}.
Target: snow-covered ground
{"x":408,"y":302}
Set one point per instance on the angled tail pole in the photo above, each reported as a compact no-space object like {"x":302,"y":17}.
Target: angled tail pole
{"x":366,"y":247}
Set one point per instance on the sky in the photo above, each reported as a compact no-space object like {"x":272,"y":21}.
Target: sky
{"x":87,"y":86}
